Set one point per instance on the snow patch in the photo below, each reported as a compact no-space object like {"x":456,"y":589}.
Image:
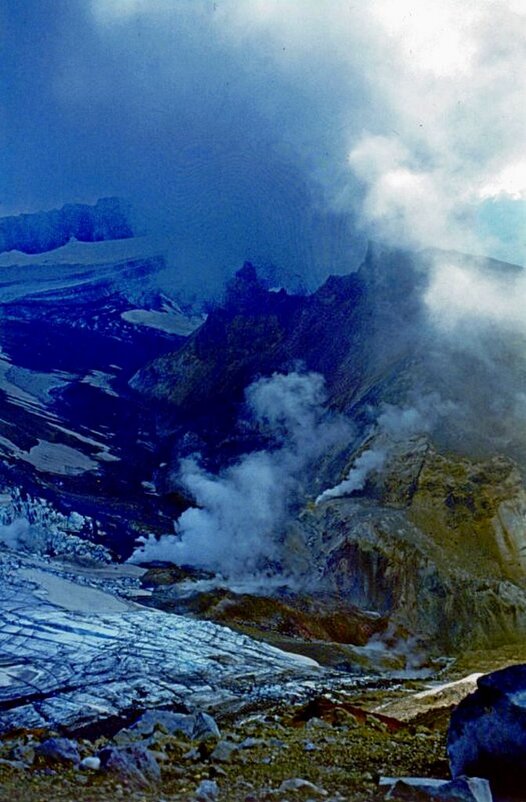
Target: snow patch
{"x":170,"y":322}
{"x":84,"y":253}
{"x":58,"y":458}
{"x":71,"y":596}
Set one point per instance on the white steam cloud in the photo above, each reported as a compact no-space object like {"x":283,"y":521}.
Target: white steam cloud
{"x":237,"y":528}
{"x":394,"y":425}
{"x":436,"y":120}
{"x":459,"y":292}
{"x":371,"y":460}
{"x":16,"y":534}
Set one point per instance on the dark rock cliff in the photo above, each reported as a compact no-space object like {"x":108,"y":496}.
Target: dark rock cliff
{"x":45,"y":231}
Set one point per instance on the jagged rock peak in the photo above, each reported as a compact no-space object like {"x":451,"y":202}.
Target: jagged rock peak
{"x":248,"y":293}
{"x":247,"y":273}
{"x":38,"y":232}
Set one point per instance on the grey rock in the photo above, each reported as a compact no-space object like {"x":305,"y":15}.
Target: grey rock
{"x":59,"y":750}
{"x":424,"y":789}
{"x":299,"y":784}
{"x":224,"y":751}
{"x":133,"y":764}
{"x":315,"y":723}
{"x":308,"y":746}
{"x":165,"y":720}
{"x":24,"y":753}
{"x":207,"y":791}
{"x":204,"y":727}
{"x":250,"y":743}
{"x":277,"y":742}
{"x":217,"y":771}
{"x":192,"y":754}
{"x":487,"y":733}
{"x":127,"y":736}
{"x":18,"y":765}
{"x":389,"y":782}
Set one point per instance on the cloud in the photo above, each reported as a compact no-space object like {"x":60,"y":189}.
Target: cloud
{"x":436,"y":118}
{"x":243,"y":132}
{"x":238,"y":526}
{"x":509,"y":182}
{"x":459,"y":293}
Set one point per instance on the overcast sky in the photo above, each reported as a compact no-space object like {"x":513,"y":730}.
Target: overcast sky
{"x":283,"y":131}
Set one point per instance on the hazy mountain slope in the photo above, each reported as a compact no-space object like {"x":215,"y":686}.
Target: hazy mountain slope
{"x":370,"y":334}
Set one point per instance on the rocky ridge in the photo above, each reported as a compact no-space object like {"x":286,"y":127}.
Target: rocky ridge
{"x":44,"y":231}
{"x":441,"y":519}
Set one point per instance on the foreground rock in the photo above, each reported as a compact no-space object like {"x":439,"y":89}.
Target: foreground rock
{"x":197,"y":727}
{"x":280,"y":752}
{"x":59,"y":750}
{"x":133,"y":764}
{"x":487,"y":735}
{"x":80,"y":661}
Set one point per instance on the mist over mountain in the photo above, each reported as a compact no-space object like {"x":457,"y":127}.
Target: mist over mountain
{"x":389,"y":333}
{"x":239,"y":132}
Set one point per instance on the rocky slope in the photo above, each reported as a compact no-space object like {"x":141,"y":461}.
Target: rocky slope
{"x":372,"y":337}
{"x":75,"y":324}
{"x":438,"y":549}
{"x":426,"y":560}
{"x":432,"y":537}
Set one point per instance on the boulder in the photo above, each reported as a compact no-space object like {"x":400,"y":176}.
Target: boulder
{"x":487,"y":733}
{"x":204,"y":727}
{"x":424,"y":789}
{"x":196,"y":727}
{"x":132,"y":764}
{"x":90,"y":763}
{"x":224,"y":751}
{"x":298,"y":784}
{"x":25,"y":753}
{"x":152,"y":720}
{"x":207,"y":791}
{"x":59,"y":750}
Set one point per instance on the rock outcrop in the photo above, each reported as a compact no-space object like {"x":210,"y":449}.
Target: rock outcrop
{"x":434,"y":543}
{"x":487,"y":734}
{"x":108,"y":219}
{"x":368,"y":333}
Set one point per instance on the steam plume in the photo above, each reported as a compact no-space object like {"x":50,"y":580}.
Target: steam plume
{"x":238,"y":526}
